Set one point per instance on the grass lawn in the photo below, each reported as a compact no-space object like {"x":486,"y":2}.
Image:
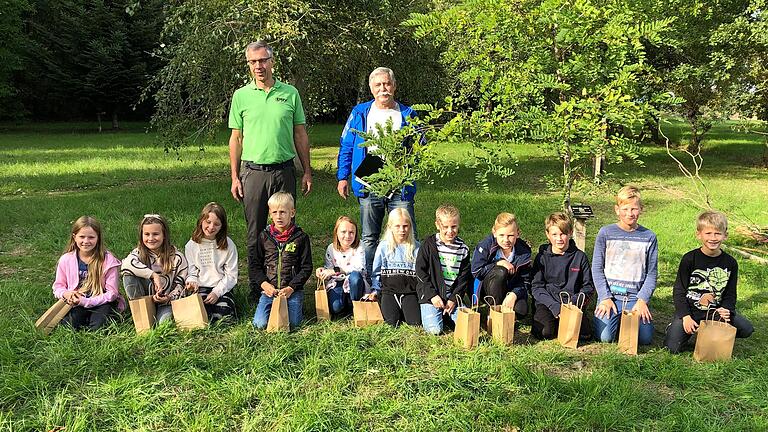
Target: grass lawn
{"x":331,"y":376}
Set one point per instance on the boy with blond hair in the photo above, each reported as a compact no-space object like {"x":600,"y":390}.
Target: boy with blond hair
{"x":559,"y":267}
{"x":442,"y":268}
{"x":624,"y":269}
{"x":282,"y":262}
{"x":706,"y":279}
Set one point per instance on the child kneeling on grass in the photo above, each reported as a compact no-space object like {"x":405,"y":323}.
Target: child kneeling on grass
{"x":282,"y":262}
{"x":394,"y":271}
{"x":624,"y":269}
{"x":706,"y":279}
{"x":87,"y":277}
{"x":344,"y":269}
{"x":502,"y":265}
{"x":212,"y":258}
{"x":155,"y":267}
{"x":442,"y":267}
{"x":559,"y":267}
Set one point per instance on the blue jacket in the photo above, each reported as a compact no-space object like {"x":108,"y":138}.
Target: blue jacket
{"x":351,"y":153}
{"x":484,"y":260}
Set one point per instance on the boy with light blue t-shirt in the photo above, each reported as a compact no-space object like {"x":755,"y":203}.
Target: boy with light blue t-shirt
{"x":624,"y":269}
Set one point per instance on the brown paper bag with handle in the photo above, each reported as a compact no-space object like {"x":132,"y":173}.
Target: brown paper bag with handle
{"x":714,"y":339}
{"x":501,"y":322}
{"x":629,"y":330}
{"x":467,"y":331}
{"x":278,"y":315}
{"x":143,"y":313}
{"x":322,"y":309}
{"x":52,"y":317}
{"x":569,"y":327}
{"x":189,"y":312}
{"x":366,"y":312}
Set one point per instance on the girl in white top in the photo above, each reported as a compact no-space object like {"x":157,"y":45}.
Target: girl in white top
{"x":344,"y":269}
{"x":212,"y":258}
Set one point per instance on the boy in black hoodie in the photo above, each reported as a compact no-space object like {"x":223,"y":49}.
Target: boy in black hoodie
{"x":559,"y":267}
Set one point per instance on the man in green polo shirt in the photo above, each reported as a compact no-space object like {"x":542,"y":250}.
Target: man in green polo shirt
{"x":267,"y":122}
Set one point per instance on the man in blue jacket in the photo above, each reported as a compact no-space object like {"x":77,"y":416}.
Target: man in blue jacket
{"x":364,"y":117}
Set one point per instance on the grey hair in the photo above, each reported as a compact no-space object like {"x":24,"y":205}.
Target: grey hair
{"x":382,"y":71}
{"x":259,"y":44}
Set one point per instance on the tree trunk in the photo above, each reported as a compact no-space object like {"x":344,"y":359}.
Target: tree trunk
{"x":567,"y":178}
{"x":115,"y":124}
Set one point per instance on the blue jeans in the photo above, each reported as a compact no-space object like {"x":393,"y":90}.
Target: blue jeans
{"x":372,"y":212}
{"x":607,"y":329}
{"x":338,"y":300}
{"x":434,"y":320}
{"x":295,"y":313}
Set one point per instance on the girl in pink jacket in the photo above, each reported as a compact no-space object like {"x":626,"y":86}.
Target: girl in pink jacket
{"x":87,"y":277}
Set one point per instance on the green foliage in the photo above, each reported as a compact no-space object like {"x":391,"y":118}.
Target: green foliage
{"x":89,"y":56}
{"x":325,"y":48}
{"x":569,"y":75}
{"x":11,"y":27}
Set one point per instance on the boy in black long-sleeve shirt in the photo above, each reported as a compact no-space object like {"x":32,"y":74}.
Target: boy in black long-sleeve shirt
{"x":706,"y":279}
{"x":559,"y":267}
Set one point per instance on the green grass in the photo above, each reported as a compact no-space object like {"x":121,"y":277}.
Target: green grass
{"x":331,"y":376}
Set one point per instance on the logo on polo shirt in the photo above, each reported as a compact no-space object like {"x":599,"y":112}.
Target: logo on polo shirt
{"x":281,"y":99}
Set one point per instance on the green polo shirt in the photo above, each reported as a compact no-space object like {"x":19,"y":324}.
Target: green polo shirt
{"x":266,"y":121}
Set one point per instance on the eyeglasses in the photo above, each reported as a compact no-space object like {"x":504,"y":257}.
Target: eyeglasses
{"x":259,"y":61}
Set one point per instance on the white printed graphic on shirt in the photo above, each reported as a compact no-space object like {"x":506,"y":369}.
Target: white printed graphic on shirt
{"x":625,"y":261}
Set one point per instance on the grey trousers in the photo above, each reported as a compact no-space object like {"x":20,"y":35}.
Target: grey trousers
{"x":258,"y":186}
{"x":137,"y":287}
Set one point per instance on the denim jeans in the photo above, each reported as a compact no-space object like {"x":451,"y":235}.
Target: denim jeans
{"x":338,"y":300}
{"x":434,"y":320}
{"x":137,"y":287}
{"x":295,"y":313}
{"x":607,"y":329}
{"x":372,"y":212}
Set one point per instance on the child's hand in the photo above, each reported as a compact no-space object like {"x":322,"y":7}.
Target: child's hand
{"x":449,"y":307}
{"x":724,"y":314}
{"x":157,"y":282}
{"x":605,"y":308}
{"x":192,"y":286}
{"x":211,"y":298}
{"x":689,"y":325}
{"x":437,"y":302}
{"x":286,"y":292}
{"x":369,"y":297}
{"x":159,"y":298}
{"x":72,"y":297}
{"x":509,"y":300}
{"x":642,"y":308}
{"x":269,"y":289}
{"x":507,"y":265}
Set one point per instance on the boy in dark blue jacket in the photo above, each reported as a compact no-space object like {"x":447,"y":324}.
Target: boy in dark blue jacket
{"x":559,"y":267}
{"x":502,"y":265}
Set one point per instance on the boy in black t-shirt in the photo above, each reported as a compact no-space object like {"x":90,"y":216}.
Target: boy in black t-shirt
{"x":706,"y":280}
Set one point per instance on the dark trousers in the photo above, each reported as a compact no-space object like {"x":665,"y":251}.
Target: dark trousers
{"x":398,"y":308}
{"x":496,"y":284}
{"x":545,"y":324}
{"x":258,"y":185}
{"x":676,"y":337}
{"x":224,"y":306}
{"x":89,"y":318}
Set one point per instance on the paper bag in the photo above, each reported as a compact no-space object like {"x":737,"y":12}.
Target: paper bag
{"x":322,"y":309}
{"x":467,"y":331}
{"x":629,"y":330}
{"x":366,"y":313}
{"x":714,"y":340}
{"x":278,"y":315}
{"x":189,"y":312}
{"x":52,"y":316}
{"x":569,"y":326}
{"x":501,"y":322}
{"x":143,"y":312}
